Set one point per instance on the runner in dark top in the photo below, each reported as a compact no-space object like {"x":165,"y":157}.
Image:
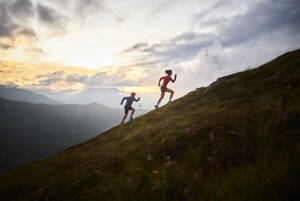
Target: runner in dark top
{"x":129,"y":101}
{"x":164,"y":88}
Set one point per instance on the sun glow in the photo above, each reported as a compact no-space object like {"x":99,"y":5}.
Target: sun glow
{"x":86,"y":58}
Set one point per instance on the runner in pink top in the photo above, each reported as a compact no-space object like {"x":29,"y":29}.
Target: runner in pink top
{"x":164,"y":88}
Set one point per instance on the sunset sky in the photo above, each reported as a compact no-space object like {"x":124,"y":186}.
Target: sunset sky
{"x":55,"y":47}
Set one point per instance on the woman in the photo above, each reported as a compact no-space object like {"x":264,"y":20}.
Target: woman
{"x":164,"y":88}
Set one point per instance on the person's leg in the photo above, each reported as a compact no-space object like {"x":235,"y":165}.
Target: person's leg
{"x":125,"y":115}
{"x":132,"y":112}
{"x":161,"y":97}
{"x":172,"y":93}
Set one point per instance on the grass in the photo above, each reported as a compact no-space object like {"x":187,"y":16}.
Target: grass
{"x":238,"y":140}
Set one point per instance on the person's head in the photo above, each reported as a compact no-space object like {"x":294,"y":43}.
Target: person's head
{"x":168,"y":72}
{"x":133,"y":94}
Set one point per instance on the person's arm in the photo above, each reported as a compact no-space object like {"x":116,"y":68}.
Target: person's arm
{"x":137,"y":99}
{"x":173,"y":80}
{"x":122,"y":100}
{"x":160,"y":81}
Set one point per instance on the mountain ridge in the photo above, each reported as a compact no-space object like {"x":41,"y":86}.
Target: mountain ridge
{"x":30,"y":131}
{"x":23,"y":95}
{"x":236,"y":141}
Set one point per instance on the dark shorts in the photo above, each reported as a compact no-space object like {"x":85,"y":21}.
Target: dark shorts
{"x":127,"y":109}
{"x":163,"y":89}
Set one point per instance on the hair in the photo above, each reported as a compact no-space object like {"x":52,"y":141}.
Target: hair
{"x":169,"y":72}
{"x":132,"y":93}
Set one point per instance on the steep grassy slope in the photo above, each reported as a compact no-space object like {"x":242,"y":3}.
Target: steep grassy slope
{"x":235,"y":140}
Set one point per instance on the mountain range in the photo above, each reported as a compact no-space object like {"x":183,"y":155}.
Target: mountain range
{"x":30,"y":132}
{"x":18,"y":94}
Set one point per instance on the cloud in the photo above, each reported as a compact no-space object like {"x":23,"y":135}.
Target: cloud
{"x":23,"y":9}
{"x":12,"y":14}
{"x":261,"y":19}
{"x":82,"y":9}
{"x":50,"y":78}
{"x":166,"y":4}
{"x":255,"y":35}
{"x":7,"y":25}
{"x":101,"y":79}
{"x":5,"y":46}
{"x":89,"y":7}
{"x":29,"y":32}
{"x":51,"y":17}
{"x":137,"y":46}
{"x":264,"y":19}
{"x":179,"y":48}
{"x":220,"y":12}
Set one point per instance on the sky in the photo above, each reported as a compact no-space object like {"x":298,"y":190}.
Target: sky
{"x":82,"y":51}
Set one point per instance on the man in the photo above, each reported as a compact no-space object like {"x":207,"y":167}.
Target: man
{"x":129,"y":101}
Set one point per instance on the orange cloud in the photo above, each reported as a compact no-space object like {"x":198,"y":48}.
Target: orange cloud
{"x":58,"y":78}
{"x":23,"y":74}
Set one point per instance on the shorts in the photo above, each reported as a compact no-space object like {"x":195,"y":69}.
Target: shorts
{"x":127,"y":108}
{"x":163,"y":89}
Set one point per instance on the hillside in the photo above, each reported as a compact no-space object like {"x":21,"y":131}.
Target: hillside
{"x":18,"y":94}
{"x":30,"y":132}
{"x":237,"y":139}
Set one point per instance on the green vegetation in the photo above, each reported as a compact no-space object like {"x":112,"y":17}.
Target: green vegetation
{"x":237,"y":139}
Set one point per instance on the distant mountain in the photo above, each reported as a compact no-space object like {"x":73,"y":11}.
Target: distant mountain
{"x":105,"y":96}
{"x":18,"y":94}
{"x":110,"y":97}
{"x":236,"y":140}
{"x":33,"y":131}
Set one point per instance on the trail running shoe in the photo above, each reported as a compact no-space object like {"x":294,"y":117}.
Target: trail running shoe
{"x":156,"y":107}
{"x":131,"y":118}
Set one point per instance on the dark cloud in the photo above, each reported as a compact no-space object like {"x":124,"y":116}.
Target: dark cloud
{"x":50,"y":16}
{"x":181,"y":47}
{"x":7,"y":25}
{"x":213,"y":13}
{"x":138,"y":46}
{"x":14,"y":16}
{"x":22,"y":9}
{"x":263,"y":19}
{"x":27,"y":32}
